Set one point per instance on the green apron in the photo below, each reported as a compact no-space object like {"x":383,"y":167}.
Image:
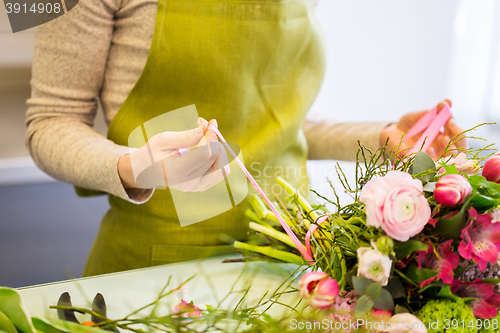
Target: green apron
{"x":254,"y":65}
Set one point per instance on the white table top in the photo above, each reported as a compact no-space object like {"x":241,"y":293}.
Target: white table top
{"x":130,"y":290}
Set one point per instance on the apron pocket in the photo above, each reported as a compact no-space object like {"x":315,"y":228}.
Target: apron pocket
{"x":167,"y":254}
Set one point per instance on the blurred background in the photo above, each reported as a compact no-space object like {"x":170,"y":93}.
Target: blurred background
{"x":385,"y":58}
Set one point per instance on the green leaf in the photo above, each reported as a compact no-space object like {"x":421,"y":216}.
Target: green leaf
{"x":451,"y":227}
{"x":491,"y":281}
{"x":348,"y":279}
{"x":479,"y":182}
{"x":419,"y":275}
{"x":360,"y":284}
{"x":480,"y":201}
{"x":451,"y":170}
{"x":385,"y":301}
{"x":363,"y":305}
{"x":395,"y":288}
{"x":42,"y":326}
{"x":404,"y":249}
{"x":445,"y":292}
{"x":423,"y":167}
{"x":401,"y":309}
{"x":12,"y":306}
{"x":52,"y":325}
{"x":373,"y":290}
{"x":6,"y":325}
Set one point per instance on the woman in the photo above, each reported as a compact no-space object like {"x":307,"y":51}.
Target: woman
{"x":254,"y":66}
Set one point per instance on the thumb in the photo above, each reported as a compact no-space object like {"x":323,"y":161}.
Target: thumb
{"x":176,"y":140}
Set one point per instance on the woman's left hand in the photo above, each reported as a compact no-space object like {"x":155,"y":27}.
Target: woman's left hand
{"x":395,"y":131}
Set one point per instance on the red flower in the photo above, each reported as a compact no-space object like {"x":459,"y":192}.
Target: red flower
{"x":445,"y":264}
{"x":486,"y":300}
{"x":480,"y":239}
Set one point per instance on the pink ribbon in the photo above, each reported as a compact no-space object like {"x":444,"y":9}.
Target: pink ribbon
{"x":306,"y":253}
{"x":431,"y":122}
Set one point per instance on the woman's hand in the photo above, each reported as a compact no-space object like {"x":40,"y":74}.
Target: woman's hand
{"x":159,"y":163}
{"x":395,"y":131}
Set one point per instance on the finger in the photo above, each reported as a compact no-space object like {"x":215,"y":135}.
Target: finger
{"x":203,"y":123}
{"x":440,"y":144}
{"x":176,"y":140}
{"x":216,"y":162}
{"x":213,"y":122}
{"x":211,"y":178}
{"x":198,"y":157}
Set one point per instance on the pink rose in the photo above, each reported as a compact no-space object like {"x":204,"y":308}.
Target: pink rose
{"x":452,"y":190}
{"x":396,"y":203}
{"x":491,"y":169}
{"x":318,"y":289}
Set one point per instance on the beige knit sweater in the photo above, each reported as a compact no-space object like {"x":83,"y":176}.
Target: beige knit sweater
{"x":97,"y":51}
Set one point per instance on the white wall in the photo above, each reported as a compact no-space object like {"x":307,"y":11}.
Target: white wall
{"x":389,"y":57}
{"x":386,"y":57}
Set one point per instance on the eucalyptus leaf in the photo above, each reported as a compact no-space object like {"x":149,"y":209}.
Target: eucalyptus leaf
{"x":384,"y":302}
{"x":395,"y":288}
{"x":12,"y":306}
{"x":360,"y":284}
{"x":373,"y":290}
{"x":420,"y":275}
{"x":404,"y":249}
{"x":423,"y":167}
{"x":363,"y":305}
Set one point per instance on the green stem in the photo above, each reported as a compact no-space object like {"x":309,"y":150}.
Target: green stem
{"x":252,"y":216}
{"x":271,"y":232}
{"x":301,"y":200}
{"x":270,"y":252}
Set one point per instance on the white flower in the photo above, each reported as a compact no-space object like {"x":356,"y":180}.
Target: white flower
{"x":404,"y":323}
{"x":495,"y":215}
{"x":374,"y":265}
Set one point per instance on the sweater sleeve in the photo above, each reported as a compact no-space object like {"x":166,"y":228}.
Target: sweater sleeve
{"x":69,"y":61}
{"x":339,"y":141}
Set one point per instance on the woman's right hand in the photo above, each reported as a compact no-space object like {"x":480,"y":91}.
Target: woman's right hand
{"x":159,"y":163}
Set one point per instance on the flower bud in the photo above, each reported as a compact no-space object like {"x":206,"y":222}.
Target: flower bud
{"x":491,"y":169}
{"x":452,"y":190}
{"x":318,"y":289}
{"x":385,"y":244}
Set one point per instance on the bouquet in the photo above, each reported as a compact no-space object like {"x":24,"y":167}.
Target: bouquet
{"x":419,"y":242}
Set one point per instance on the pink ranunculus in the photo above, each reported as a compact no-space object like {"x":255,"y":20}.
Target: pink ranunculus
{"x":452,"y":190}
{"x":445,"y":264}
{"x":186,"y":309}
{"x":318,"y":289}
{"x":403,"y":323}
{"x":486,"y":300}
{"x":480,"y":239}
{"x":396,"y":203}
{"x":491,"y":169}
